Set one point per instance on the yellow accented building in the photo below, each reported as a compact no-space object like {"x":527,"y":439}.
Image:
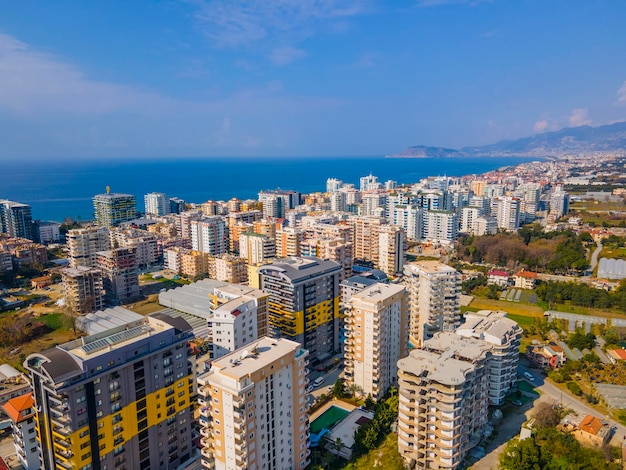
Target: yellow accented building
{"x":303,"y":302}
{"x":121,"y":398}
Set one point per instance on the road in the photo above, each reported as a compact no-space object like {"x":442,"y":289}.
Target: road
{"x":568,"y":400}
{"x":594,"y":255}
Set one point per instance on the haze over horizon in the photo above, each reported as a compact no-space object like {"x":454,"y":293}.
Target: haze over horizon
{"x":301,"y":77}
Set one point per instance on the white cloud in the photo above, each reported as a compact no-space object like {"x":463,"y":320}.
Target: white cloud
{"x":579,"y":117}
{"x":286,"y":54}
{"x":541,"y":126}
{"x":621,"y":95}
{"x":51,"y":106}
{"x":237,"y":23}
{"x":34,"y":82}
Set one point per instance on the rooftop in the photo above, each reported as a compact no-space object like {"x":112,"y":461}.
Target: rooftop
{"x":302,"y":267}
{"x":378,"y":292}
{"x":15,"y":407}
{"x":252,"y":357}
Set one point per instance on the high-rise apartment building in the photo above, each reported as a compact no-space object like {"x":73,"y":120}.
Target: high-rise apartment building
{"x":119,"y":275}
{"x":253,"y":410}
{"x":338,"y":201}
{"x":84,"y":243}
{"x":443,"y":401}
{"x":508,"y":212}
{"x":559,"y":202}
{"x":209,"y":235}
{"x":83,"y":289}
{"x":111,"y":209}
{"x":377,"y":336}
{"x":366,"y":230}
{"x":157,"y":204}
{"x":434,"y":290}
{"x":255,"y":248}
{"x":333,"y":185}
{"x":16,"y":219}
{"x":336,"y":249}
{"x":229,"y":268}
{"x":116,"y":399}
{"x":277,"y":202}
{"x":441,"y":226}
{"x":368,"y":183}
{"x":303,"y":302}
{"x":288,"y":241}
{"x":504,"y":335}
{"x":410,"y":218}
{"x":391,"y":249}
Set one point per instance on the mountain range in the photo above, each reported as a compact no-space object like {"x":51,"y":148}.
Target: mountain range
{"x":567,"y":141}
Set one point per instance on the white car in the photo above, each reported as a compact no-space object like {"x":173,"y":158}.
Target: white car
{"x":529,"y":376}
{"x":309,"y":389}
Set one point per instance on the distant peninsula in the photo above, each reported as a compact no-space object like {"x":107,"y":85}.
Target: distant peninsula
{"x":567,"y":141}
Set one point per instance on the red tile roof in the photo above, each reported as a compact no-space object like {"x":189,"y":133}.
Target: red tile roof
{"x":591,"y":424}
{"x":527,"y":274}
{"x":498,"y":273}
{"x":15,"y":406}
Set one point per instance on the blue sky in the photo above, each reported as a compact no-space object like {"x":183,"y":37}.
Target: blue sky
{"x":301,"y":77}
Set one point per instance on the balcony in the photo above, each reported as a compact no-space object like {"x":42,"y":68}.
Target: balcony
{"x":206,"y":432}
{"x":63,"y":464}
{"x":63,"y":443}
{"x":61,"y":430}
{"x":239,"y":414}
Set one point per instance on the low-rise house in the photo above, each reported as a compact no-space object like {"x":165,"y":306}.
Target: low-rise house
{"x":525,"y":279}
{"x":499,"y":278}
{"x":615,"y":355}
{"x":546,"y":355}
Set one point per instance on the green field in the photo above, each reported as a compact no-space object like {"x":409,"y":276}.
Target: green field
{"x":522,"y":320}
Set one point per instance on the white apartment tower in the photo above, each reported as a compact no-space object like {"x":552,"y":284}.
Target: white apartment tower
{"x":443,"y":401}
{"x":410,"y":218}
{"x":377,"y":334}
{"x":157,"y":204}
{"x":441,"y":226}
{"x":504,"y":336}
{"x":434,"y":290}
{"x":209,"y":235}
{"x":367,"y":183}
{"x":253,"y":410}
{"x":559,"y":202}
{"x":333,"y":185}
{"x":508,"y":212}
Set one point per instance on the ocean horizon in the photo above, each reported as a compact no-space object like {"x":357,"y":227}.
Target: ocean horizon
{"x":58,"y":189}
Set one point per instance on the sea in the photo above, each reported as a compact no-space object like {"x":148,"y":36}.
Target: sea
{"x":57,"y":190}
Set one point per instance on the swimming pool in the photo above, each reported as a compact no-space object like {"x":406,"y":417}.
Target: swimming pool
{"x":328,"y":419}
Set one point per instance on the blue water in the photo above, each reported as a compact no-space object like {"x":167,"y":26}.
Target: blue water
{"x":59,"y":189}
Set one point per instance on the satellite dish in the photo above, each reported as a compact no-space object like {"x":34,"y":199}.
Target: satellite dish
{"x":244,"y":354}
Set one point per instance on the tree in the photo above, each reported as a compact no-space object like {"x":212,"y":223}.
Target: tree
{"x":546,"y":416}
{"x":354,"y":389}
{"x":339,"y":389}
{"x":521,"y":454}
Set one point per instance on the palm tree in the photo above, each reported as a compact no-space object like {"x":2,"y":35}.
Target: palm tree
{"x":354,"y":389}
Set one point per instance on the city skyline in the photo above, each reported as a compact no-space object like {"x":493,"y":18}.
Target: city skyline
{"x":301,"y":78}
